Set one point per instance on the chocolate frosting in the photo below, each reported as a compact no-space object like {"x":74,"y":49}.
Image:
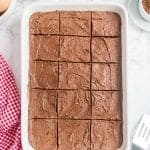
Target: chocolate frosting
{"x":43,"y":134}
{"x":75,"y":89}
{"x":106,"y":24}
{"x":74,"y":104}
{"x":74,"y":76}
{"x":44,"y":23}
{"x":106,"y":135}
{"x":106,"y":105}
{"x":75,"y":23}
{"x":44,"y":47}
{"x":74,"y":134}
{"x":43,"y":104}
{"x":146,"y":5}
{"x":74,"y":48}
{"x":44,"y":75}
{"x":106,"y":49}
{"x":106,"y":77}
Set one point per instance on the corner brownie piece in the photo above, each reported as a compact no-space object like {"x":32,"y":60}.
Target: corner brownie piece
{"x":43,"y":104}
{"x":106,"y":49}
{"x":43,"y":134}
{"x":44,"y":75}
{"x":74,"y":134}
{"x":73,"y":48}
{"x":75,"y":23}
{"x":106,"y":105}
{"x":74,"y":76}
{"x":106,"y":76}
{"x":74,"y":104}
{"x":106,"y":135}
{"x":44,"y":47}
{"x":44,"y":23}
{"x":106,"y":24}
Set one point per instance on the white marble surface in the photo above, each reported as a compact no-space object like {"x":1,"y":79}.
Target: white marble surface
{"x":138,"y":60}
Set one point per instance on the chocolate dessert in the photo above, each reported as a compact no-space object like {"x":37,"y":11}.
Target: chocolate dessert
{"x":106,"y":49}
{"x":74,"y":104}
{"x":75,"y":23}
{"x":106,"y":105}
{"x":146,"y":5}
{"x":43,"y":104}
{"x":105,"y":76}
{"x":44,"y":23}
{"x":106,"y":24}
{"x":43,"y":134}
{"x":75,"y":49}
{"x":106,"y":135}
{"x":75,"y":87}
{"x":44,"y":74}
{"x":44,"y":47}
{"x":74,"y":134}
{"x":74,"y":76}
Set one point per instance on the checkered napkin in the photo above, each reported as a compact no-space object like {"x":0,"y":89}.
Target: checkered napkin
{"x":10,"y":136}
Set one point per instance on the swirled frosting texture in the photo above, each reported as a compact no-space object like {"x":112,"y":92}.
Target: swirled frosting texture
{"x":75,"y":87}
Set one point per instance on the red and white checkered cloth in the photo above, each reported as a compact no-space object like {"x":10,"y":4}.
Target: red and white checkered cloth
{"x":10,"y":134}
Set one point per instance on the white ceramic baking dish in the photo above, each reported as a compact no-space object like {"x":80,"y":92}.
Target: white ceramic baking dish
{"x":77,"y":5}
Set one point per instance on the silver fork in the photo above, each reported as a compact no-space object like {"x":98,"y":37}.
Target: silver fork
{"x":141,"y":138}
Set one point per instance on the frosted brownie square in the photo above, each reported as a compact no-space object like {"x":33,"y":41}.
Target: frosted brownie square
{"x":106,"y":135}
{"x":106,"y":76}
{"x":73,"y":48}
{"x":106,"y":105}
{"x":106,"y":24}
{"x":74,"y":104}
{"x":44,"y":23}
{"x":43,"y":104}
{"x":74,"y":134}
{"x":43,"y":134}
{"x":74,"y":76}
{"x":44,"y":75}
{"x":75,"y":23}
{"x":106,"y":49}
{"x":44,"y":47}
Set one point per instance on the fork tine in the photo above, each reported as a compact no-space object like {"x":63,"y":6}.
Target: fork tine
{"x":148,"y":135}
{"x":144,"y":131}
{"x":141,"y":129}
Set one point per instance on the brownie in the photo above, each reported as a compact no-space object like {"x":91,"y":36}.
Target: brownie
{"x":43,"y":134}
{"x":43,"y":104}
{"x":106,"y":49}
{"x":44,"y":75}
{"x":73,"y":48}
{"x":44,"y":23}
{"x":74,"y":104}
{"x":74,"y":76}
{"x":44,"y":47}
{"x":75,"y":23}
{"x":74,"y":134}
{"x":106,"y":105}
{"x":106,"y":135}
{"x":106,"y":24}
{"x":106,"y":76}
{"x":75,"y":89}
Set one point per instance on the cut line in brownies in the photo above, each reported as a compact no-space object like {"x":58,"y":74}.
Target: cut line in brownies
{"x":75,"y":80}
{"x":75,"y":134}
